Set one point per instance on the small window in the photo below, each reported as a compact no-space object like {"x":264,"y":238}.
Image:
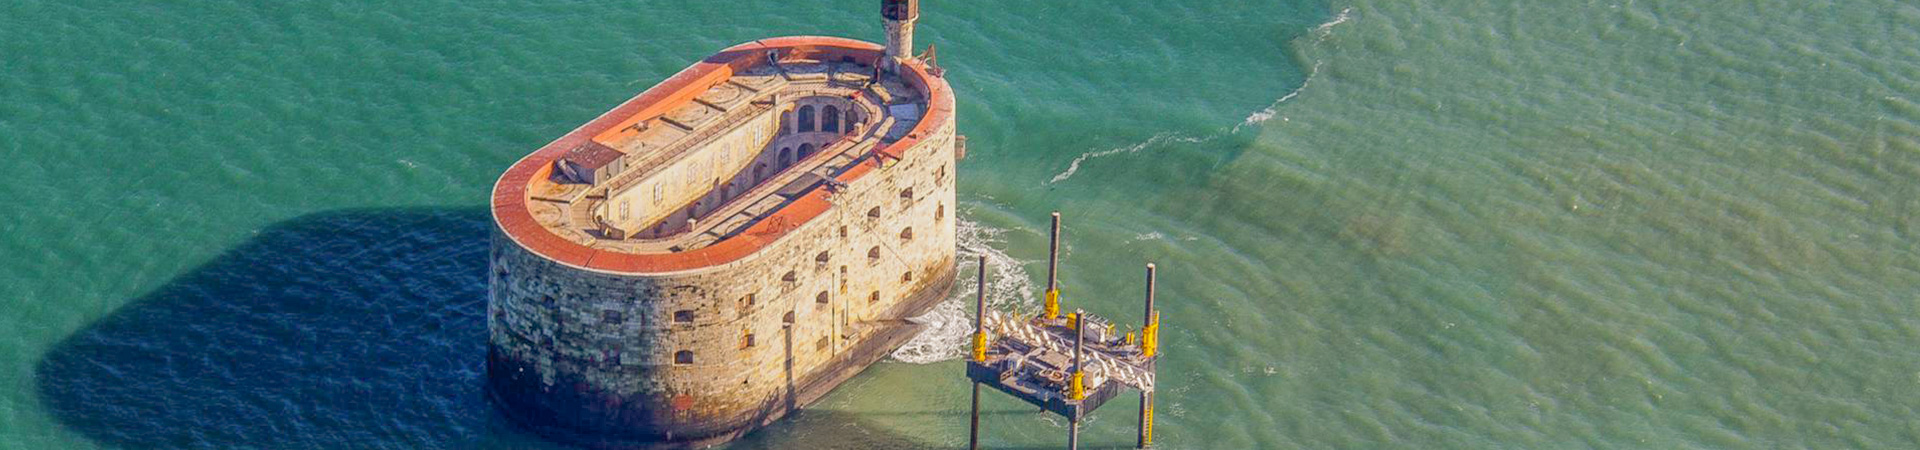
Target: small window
{"x":939,"y":212}
{"x":612,"y":317}
{"x":821,"y":299}
{"x":843,"y":279}
{"x":906,"y":194}
{"x":547,"y":301}
{"x":683,"y":357}
{"x":806,"y":118}
{"x":790,"y":277}
{"x":873,"y":297}
{"x":906,"y":234}
{"x":683,"y":316}
{"x":873,"y":213}
{"x":822,"y":258}
{"x":873,"y":255}
{"x":821,"y":344}
{"x":746,"y":340}
{"x":906,"y":277}
{"x":787,"y":318}
{"x":843,"y":233}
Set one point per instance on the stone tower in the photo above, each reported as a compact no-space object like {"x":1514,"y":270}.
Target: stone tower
{"x":900,"y":15}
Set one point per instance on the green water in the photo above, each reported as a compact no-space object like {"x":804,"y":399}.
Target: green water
{"x":1393,"y":224}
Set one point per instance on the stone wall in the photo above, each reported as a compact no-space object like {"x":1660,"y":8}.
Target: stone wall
{"x":592,"y":355}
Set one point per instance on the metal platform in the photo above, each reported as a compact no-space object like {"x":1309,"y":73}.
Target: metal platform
{"x":1068,"y":365}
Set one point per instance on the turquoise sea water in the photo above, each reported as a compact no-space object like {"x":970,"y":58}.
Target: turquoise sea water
{"x":1380,"y":224}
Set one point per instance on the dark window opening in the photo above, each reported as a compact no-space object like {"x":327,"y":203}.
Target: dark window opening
{"x":790,"y":277}
{"x":821,"y":258}
{"x":822,"y":298}
{"x":873,"y":213}
{"x":806,"y":150}
{"x":806,"y":118}
{"x":906,"y":234}
{"x":830,"y":119}
{"x":683,"y":357}
{"x":683,"y":316}
{"x":873,"y":255}
{"x":873,"y":298}
{"x":906,"y":277}
{"x":939,"y":212}
{"x":612,"y":317}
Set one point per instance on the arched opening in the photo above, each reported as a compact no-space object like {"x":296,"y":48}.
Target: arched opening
{"x":759,"y":173}
{"x":786,"y":157}
{"x":683,"y":357}
{"x":906,"y":194}
{"x":906,"y":277}
{"x":821,"y":299}
{"x":873,"y":255}
{"x":787,"y":318}
{"x":806,"y":119}
{"x":786,"y":122}
{"x":873,"y":297}
{"x":790,"y":277}
{"x":873,"y":213}
{"x":906,"y":234}
{"x":852,"y":119}
{"x":830,"y":119}
{"x":821,"y":258}
{"x":806,"y":150}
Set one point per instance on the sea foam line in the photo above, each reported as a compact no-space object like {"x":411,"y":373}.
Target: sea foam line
{"x":949,"y":323}
{"x":1320,"y":32}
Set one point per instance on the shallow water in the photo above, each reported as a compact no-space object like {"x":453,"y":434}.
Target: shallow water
{"x":1404,"y":224}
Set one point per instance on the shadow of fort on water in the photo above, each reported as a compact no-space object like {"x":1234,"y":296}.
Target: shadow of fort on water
{"x":350,"y":329}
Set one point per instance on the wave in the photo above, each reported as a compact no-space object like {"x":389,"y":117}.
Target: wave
{"x":949,"y":323}
{"x":1320,"y":34}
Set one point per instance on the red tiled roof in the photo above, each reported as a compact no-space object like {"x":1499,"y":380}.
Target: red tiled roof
{"x":510,"y":208}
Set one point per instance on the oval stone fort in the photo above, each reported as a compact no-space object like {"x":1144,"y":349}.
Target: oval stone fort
{"x":726,"y":246}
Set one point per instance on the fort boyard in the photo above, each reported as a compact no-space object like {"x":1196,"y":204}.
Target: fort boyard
{"x":728,"y":245}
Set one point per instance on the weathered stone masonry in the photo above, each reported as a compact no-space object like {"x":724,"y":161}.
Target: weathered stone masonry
{"x":695,"y":346}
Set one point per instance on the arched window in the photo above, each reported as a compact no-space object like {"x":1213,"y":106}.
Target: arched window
{"x":786,"y":122}
{"x":906,"y":234}
{"x":806,"y":150}
{"x":759,"y":173}
{"x":822,"y":258}
{"x":790,"y":277}
{"x":786,"y":157}
{"x":906,"y":197}
{"x":683,"y":357}
{"x":683,"y":316}
{"x":873,"y":297}
{"x":830,"y":119}
{"x":906,"y":277}
{"x":873,"y":255}
{"x":806,"y":118}
{"x":821,"y":299}
{"x":787,"y":318}
{"x":873,"y":213}
{"x":852,"y":119}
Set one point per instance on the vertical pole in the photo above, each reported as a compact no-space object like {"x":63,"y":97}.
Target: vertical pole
{"x":979,"y":350}
{"x":1079,"y":376}
{"x":1053,"y":269}
{"x":1146,"y":398}
{"x":1073,"y":433}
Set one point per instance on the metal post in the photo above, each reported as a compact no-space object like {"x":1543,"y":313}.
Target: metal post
{"x":1146,"y":398}
{"x":979,"y":349}
{"x":1073,"y":433}
{"x":1053,"y":269}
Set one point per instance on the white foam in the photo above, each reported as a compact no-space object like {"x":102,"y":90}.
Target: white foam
{"x":1320,"y":34}
{"x":1143,"y":145}
{"x":949,"y":323}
